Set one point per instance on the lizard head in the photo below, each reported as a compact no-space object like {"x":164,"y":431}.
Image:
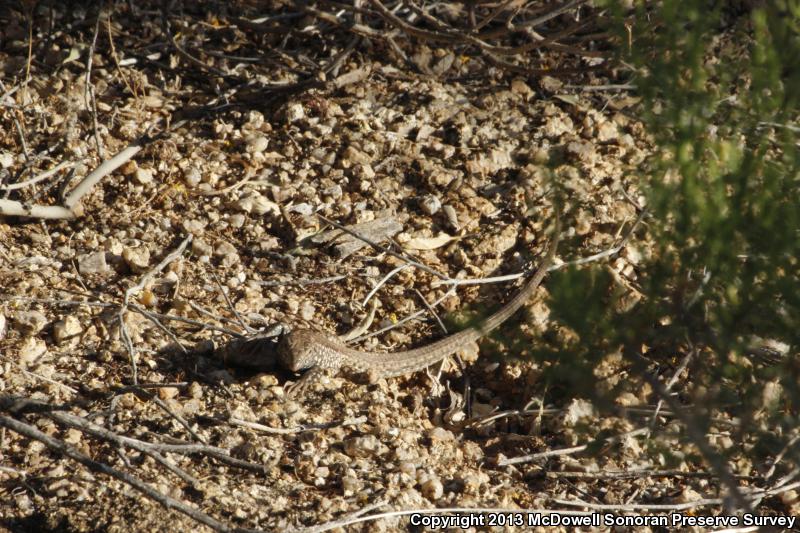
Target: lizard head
{"x":296,"y":350}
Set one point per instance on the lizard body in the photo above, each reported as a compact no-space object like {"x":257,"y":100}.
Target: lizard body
{"x":303,"y":349}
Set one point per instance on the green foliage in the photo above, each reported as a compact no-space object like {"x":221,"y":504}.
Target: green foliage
{"x":724,"y":190}
{"x":720,"y":99}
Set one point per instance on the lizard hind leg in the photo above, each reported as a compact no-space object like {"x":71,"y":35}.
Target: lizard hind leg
{"x":299,"y":387}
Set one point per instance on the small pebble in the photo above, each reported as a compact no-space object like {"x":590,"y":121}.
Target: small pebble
{"x":6,"y":159}
{"x":303,"y":208}
{"x":167,"y":393}
{"x":452,"y":219}
{"x":256,"y":145}
{"x":201,"y":247}
{"x":440,"y":434}
{"x":607,"y":131}
{"x":30,"y":322}
{"x":432,"y":488}
{"x":366,"y":446}
{"x":224,"y":248}
{"x":72,"y":436}
{"x":408,"y":468}
{"x":307,"y":310}
{"x":236,"y":220}
{"x":194,"y":226}
{"x":295,"y":112}
{"x":195,"y":390}
{"x":334,"y":191}
{"x":93,"y":263}
{"x":31,"y":350}
{"x":192,"y":177}
{"x":430,"y":204}
{"x":66,"y":329}
{"x":138,"y":258}
{"x":143,"y":176}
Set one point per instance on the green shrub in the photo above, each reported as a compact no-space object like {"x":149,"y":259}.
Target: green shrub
{"x":720,"y":96}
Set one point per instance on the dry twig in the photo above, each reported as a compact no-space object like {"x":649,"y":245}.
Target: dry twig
{"x":63,"y":448}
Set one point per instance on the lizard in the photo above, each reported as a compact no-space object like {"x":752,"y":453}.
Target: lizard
{"x":306,"y":349}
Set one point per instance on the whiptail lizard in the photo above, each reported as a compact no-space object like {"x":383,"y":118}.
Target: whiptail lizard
{"x":303,"y":349}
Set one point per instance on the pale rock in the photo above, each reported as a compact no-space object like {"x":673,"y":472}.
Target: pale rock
{"x":408,"y":468}
{"x":236,"y":220}
{"x":607,"y":132}
{"x":790,"y":498}
{"x":583,"y":150}
{"x":440,"y":434}
{"x":194,"y":226}
{"x":192,"y":177}
{"x":430,"y":204}
{"x":550,"y":84}
{"x":168,"y":393}
{"x":224,"y":248}
{"x":93,"y":263}
{"x":191,"y":407}
{"x":66,"y":329}
{"x":627,"y":399}
{"x":31,"y":350}
{"x":195,"y":390}
{"x":578,"y":410}
{"x":113,"y":246}
{"x":30,"y":322}
{"x":451,"y":216}
{"x":72,"y":436}
{"x":424,"y":132}
{"x":688,"y":495}
{"x":170,"y":278}
{"x":633,"y":254}
{"x":366,"y":446}
{"x":24,"y":503}
{"x":6,"y":159}
{"x":627,"y":141}
{"x":143,"y":176}
{"x":303,"y":208}
{"x":350,"y":485}
{"x":295,"y":112}
{"x":518,"y":86}
{"x":771,"y":394}
{"x":557,"y":126}
{"x":353,"y":156}
{"x":307,"y":311}
{"x":256,"y":203}
{"x":334,"y":191}
{"x":724,"y":442}
{"x":138,"y":258}
{"x":364,"y":171}
{"x":153,"y":101}
{"x":257,"y":144}
{"x":201,"y":247}
{"x":432,"y":488}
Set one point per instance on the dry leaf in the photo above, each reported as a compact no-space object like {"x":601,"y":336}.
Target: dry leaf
{"x":428,"y":243}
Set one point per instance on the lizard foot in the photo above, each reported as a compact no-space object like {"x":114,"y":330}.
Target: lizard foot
{"x":298,"y":388}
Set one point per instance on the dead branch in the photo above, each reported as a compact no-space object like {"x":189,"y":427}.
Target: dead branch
{"x":63,"y":448}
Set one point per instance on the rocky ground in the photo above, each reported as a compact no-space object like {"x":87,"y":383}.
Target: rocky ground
{"x":461,"y":168}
